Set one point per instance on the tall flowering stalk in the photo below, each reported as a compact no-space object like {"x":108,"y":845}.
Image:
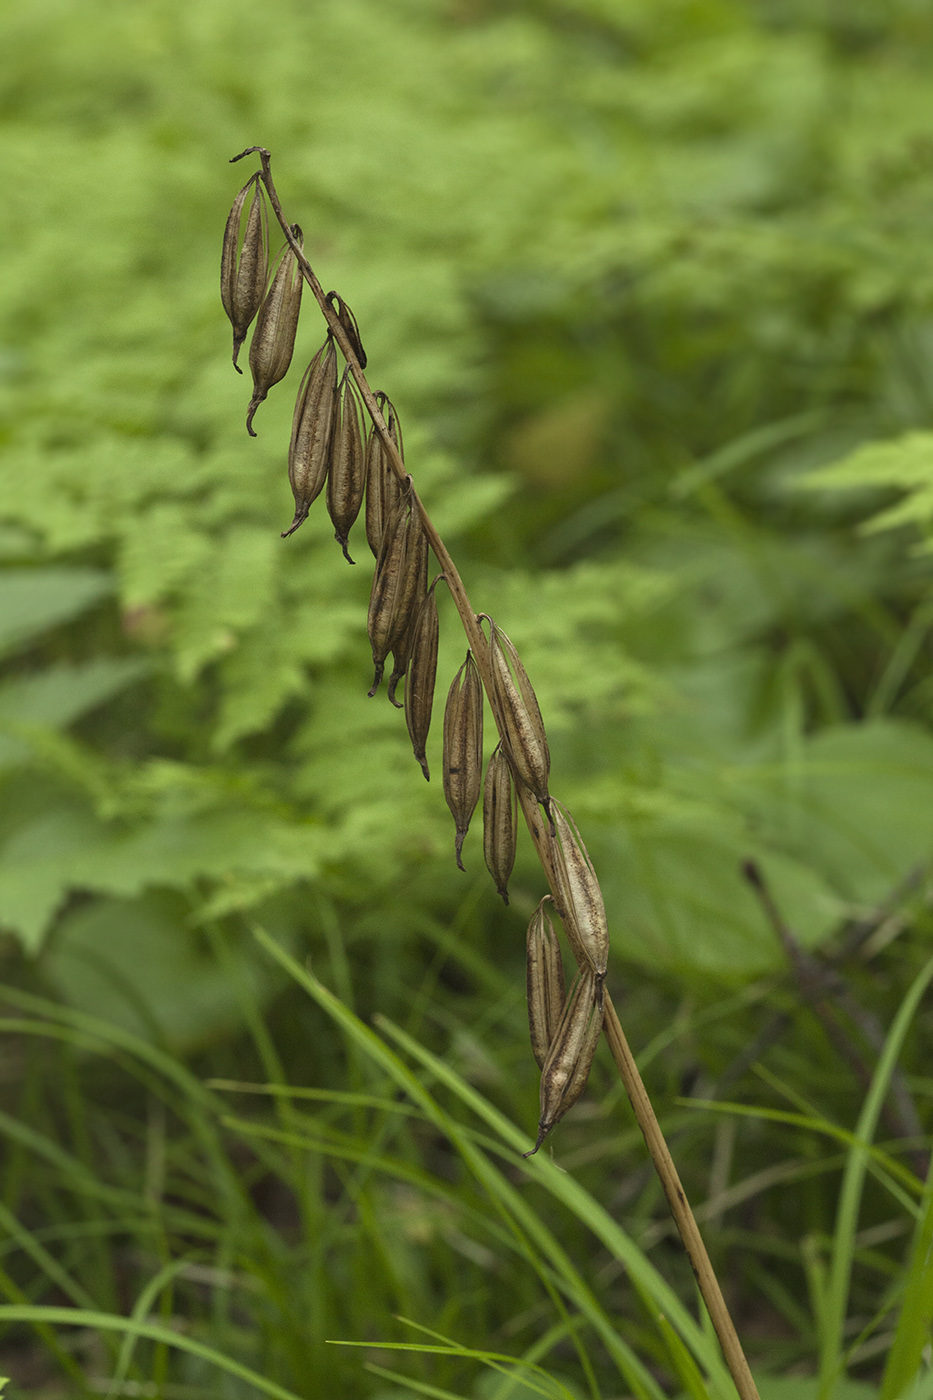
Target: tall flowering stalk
{"x":326,"y":450}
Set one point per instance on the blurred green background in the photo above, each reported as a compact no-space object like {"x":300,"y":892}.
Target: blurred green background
{"x":650,"y":284}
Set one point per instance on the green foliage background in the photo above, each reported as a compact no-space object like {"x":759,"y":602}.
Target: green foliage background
{"x":651,"y":286}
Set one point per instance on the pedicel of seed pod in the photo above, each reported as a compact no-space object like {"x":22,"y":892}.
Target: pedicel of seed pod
{"x":312,"y":430}
{"x":421,"y":676}
{"x":545,"y":978}
{"x":348,"y":321}
{"x":519,"y":716}
{"x":346,"y":477}
{"x":578,"y":896}
{"x":273,"y":342}
{"x":500,"y":820}
{"x":243,"y":278}
{"x":383,"y":488}
{"x":392,"y":593}
{"x":401,"y":651}
{"x":567,"y":1067}
{"x":463,"y":748}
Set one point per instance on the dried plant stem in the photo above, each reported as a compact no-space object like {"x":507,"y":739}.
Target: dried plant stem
{"x":684,"y":1218}
{"x":539,"y":831}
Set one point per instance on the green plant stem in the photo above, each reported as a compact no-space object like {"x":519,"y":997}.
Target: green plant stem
{"x":540,"y":835}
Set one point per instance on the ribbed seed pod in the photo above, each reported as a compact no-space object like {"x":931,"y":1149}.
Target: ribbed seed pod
{"x":578,"y":896}
{"x":567,"y":1067}
{"x":392,"y":600}
{"x":500,"y":820}
{"x":273,"y":342}
{"x":348,"y":321}
{"x":519,"y":715}
{"x":383,"y":488}
{"x":545,"y":970}
{"x":312,"y":430}
{"x":463,"y":748}
{"x":422,"y":673}
{"x":243,"y":278}
{"x":347,"y":475}
{"x":401,"y":651}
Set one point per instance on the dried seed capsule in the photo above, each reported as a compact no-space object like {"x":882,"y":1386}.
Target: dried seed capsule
{"x":392,"y":601}
{"x":422,"y":672}
{"x":383,"y":488}
{"x":463,"y":747}
{"x":348,"y":321}
{"x":346,"y":477}
{"x":567,"y":1067}
{"x":519,"y":716}
{"x":578,"y":896}
{"x":273,"y":342}
{"x":545,"y":983}
{"x":243,"y":279}
{"x":312,"y":429}
{"x":500,"y":820}
{"x":418,"y":549}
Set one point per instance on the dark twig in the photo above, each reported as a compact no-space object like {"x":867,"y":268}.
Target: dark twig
{"x":826,"y":991}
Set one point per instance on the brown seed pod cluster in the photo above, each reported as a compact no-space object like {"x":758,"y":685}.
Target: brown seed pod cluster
{"x":567,"y":1065}
{"x":463,"y":748}
{"x":500,"y":820}
{"x":312,"y":427}
{"x":518,"y":715}
{"x":244,"y":264}
{"x":273,"y":342}
{"x":398,"y":583}
{"x":330,"y":454}
{"x":383,"y":488}
{"x":578,"y":896}
{"x":345,"y":477}
{"x":545,"y":983}
{"x":422,"y":674}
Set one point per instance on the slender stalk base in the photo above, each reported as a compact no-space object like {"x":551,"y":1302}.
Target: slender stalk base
{"x":680,"y":1207}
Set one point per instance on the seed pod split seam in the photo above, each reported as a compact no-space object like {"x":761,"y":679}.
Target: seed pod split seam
{"x":421,"y":676}
{"x":312,"y":429}
{"x":463,"y":749}
{"x":273,"y":342}
{"x":243,"y":277}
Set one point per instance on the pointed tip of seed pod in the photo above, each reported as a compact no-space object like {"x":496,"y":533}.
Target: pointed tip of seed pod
{"x":377,"y":679}
{"x":254,"y":403}
{"x":424,"y":764}
{"x":394,"y":679}
{"x":505,"y":896}
{"x":542,"y":1134}
{"x":343,"y":541}
{"x":237,"y":347}
{"x":301,"y":515}
{"x":461,"y":837}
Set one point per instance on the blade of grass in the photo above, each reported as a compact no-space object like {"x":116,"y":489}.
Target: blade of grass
{"x":840,"y":1271}
{"x":598,"y":1220}
{"x":519,"y":1217}
{"x":141,"y":1310}
{"x":496,"y":1361}
{"x":912,"y":1334}
{"x":137,"y":1327}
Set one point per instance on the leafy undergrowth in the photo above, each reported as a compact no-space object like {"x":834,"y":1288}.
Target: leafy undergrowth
{"x":650,"y":286}
{"x":218,"y":1228}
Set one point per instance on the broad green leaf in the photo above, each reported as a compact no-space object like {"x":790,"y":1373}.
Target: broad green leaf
{"x":33,"y":600}
{"x":138,"y":964}
{"x":58,"y":695}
